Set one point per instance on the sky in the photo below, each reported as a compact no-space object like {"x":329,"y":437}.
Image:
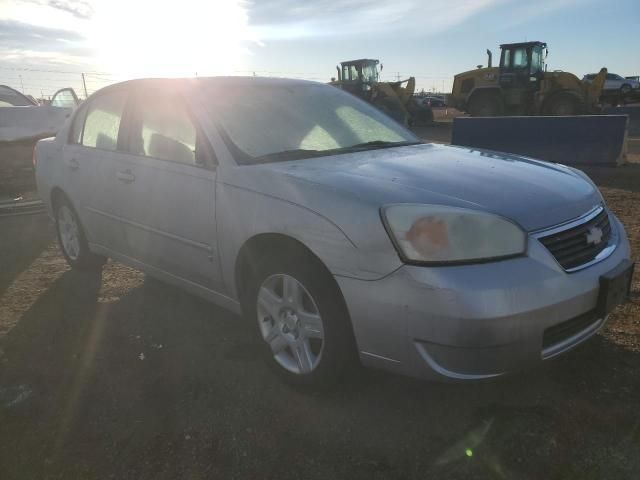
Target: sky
{"x":46,"y":44}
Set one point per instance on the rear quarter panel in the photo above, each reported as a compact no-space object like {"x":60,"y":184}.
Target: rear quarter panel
{"x":48,"y":154}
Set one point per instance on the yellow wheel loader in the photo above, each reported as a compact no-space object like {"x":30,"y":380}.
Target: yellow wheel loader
{"x":521,"y":85}
{"x":361,"y":78}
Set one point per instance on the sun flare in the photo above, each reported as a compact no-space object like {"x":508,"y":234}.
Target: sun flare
{"x":163,"y":38}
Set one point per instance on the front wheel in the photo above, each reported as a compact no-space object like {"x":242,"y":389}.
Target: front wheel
{"x":392,"y":107}
{"x":72,"y":239}
{"x":302,"y":321}
{"x":485,"y":105}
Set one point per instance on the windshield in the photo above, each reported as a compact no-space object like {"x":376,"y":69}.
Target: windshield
{"x":369,"y":73}
{"x":537,"y":60}
{"x":264,"y":120}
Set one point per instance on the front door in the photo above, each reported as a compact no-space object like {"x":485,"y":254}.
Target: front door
{"x":167,"y":186}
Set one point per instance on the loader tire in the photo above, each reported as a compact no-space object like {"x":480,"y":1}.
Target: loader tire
{"x":393,"y":108}
{"x":563,"y":105}
{"x":485,"y":105}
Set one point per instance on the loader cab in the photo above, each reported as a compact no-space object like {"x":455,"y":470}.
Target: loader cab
{"x":522,"y":65}
{"x":357,"y":76}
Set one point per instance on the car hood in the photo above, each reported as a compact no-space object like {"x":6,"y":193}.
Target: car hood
{"x":533,"y":193}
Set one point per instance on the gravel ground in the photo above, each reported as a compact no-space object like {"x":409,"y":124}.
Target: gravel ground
{"x":120,"y":376}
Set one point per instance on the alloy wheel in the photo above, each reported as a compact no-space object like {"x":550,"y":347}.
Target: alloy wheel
{"x":290,"y":323}
{"x":69,"y":232}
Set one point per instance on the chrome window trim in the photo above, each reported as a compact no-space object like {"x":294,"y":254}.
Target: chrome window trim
{"x":576,"y":222}
{"x":590,"y":215}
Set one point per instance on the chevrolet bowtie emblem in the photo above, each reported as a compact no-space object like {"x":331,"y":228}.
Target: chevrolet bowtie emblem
{"x":594,"y":236}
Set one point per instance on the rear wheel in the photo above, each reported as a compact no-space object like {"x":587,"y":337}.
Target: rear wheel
{"x":562,"y":105}
{"x":485,"y":105}
{"x":302,"y":321}
{"x":625,"y":89}
{"x":72,"y":239}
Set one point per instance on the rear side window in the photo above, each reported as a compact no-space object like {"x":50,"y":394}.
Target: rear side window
{"x":102,"y":121}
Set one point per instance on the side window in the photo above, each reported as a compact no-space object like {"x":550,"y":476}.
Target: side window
{"x":507,"y":59}
{"x":102,"y":122}
{"x":166,"y":130}
{"x":75,"y":134}
{"x":353,"y":73}
{"x":65,"y":98}
{"x":519,"y":58}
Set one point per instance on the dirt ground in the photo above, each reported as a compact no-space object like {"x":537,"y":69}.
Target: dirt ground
{"x":122,"y":377}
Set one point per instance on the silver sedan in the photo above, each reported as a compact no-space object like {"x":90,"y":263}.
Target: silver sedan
{"x":334,"y":230}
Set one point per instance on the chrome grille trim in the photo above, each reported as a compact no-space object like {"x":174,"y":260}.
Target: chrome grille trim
{"x":612,"y":240}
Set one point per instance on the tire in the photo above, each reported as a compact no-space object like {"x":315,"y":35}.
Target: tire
{"x":562,"y":105}
{"x":485,"y":105}
{"x":625,"y":89}
{"x":72,"y":239}
{"x":421,"y":115}
{"x":302,"y":322}
{"x":393,"y":108}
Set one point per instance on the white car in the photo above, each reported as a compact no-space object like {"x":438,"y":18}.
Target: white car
{"x":616,"y":82}
{"x":334,"y":230}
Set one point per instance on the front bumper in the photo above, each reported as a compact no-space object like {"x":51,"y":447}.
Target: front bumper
{"x":480,"y":321}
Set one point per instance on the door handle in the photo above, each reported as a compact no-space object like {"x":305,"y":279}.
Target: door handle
{"x":73,"y":164}
{"x":125,"y":176}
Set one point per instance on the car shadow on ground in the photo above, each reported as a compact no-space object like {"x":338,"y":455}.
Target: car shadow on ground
{"x":150,"y":382}
{"x":23,"y":239}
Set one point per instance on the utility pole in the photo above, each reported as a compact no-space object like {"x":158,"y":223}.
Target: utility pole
{"x":21,"y":84}
{"x":84,"y":84}
{"x":398,"y":77}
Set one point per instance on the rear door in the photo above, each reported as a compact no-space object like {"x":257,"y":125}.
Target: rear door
{"x":166,"y":186}
{"x":88,"y":177}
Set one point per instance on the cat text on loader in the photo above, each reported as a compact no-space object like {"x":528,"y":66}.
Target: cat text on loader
{"x":361,"y":78}
{"x":521,"y":85}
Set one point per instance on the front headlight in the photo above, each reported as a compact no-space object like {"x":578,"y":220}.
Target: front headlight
{"x":438,"y":234}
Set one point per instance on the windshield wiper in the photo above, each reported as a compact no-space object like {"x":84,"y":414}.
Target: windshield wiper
{"x":376,"y":144}
{"x":301,"y":153}
{"x":294,"y":154}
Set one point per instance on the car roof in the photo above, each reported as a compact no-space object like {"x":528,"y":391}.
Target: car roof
{"x":222,"y":81}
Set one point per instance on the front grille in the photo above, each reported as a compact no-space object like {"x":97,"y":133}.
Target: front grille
{"x":560,"y":332}
{"x":578,"y":244}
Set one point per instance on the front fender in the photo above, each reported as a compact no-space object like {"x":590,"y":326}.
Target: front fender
{"x":242,"y":213}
